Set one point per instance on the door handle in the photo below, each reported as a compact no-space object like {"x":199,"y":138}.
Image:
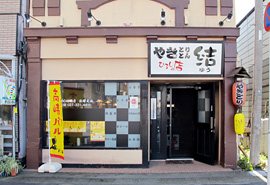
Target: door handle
{"x":212,"y":127}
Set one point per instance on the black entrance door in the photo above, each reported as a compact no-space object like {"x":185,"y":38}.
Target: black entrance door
{"x":205,"y":127}
{"x":182,"y":122}
{"x":182,"y":110}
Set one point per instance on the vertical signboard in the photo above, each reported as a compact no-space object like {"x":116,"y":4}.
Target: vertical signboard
{"x":56,"y":121}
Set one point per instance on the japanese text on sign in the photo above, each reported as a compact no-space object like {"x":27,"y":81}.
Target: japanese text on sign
{"x":56,"y":121}
{"x":185,"y":58}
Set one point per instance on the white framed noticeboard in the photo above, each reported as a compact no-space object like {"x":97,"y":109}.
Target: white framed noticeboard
{"x":176,"y":58}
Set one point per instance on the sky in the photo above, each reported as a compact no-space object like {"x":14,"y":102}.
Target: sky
{"x":242,"y":7}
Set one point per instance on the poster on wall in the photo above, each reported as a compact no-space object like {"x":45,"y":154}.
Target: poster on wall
{"x":72,"y":126}
{"x":134,"y":102}
{"x":7,"y":91}
{"x":75,"y":126}
{"x":56,"y":121}
{"x":169,"y":58}
{"x":97,"y":131}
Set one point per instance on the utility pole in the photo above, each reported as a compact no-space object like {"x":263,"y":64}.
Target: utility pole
{"x":257,"y":84}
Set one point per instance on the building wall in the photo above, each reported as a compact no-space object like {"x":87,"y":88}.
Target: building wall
{"x":8,"y":17}
{"x":134,"y":13}
{"x":118,"y":50}
{"x":245,"y":58}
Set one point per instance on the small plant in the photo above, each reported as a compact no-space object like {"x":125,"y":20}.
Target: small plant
{"x":263,"y":161}
{"x":245,"y":164}
{"x":9,"y":166}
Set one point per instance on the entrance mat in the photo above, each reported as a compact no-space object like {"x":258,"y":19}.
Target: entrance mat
{"x":180,"y":161}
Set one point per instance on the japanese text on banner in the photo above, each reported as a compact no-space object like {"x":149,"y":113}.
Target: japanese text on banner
{"x":56,"y":121}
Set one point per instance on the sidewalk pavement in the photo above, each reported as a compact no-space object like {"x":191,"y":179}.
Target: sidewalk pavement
{"x":156,"y":174}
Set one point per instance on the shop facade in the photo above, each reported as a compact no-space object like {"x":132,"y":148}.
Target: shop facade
{"x":136,"y":86}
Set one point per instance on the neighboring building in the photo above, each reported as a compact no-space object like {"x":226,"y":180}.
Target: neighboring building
{"x":245,"y":58}
{"x":12,"y":79}
{"x":143,"y":80}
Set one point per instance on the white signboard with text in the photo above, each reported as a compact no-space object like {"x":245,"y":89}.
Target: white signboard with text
{"x":183,"y":58}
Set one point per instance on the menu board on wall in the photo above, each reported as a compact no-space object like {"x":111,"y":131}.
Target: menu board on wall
{"x":74,"y":126}
{"x":97,"y":131}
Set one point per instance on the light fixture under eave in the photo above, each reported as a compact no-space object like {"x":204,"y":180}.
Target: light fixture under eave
{"x":162,"y":17}
{"x":228,"y":17}
{"x":90,"y":17}
{"x":28,"y":19}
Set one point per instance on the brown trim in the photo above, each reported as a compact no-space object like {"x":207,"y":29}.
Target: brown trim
{"x":226,"y":7}
{"x":133,"y":32}
{"x":33,"y":149}
{"x":179,"y":7}
{"x":53,"y":11}
{"x":150,"y":38}
{"x":232,"y":39}
{"x":230,"y":49}
{"x":228,"y":143}
{"x":111,"y":39}
{"x":211,"y":7}
{"x":53,"y":3}
{"x":38,"y":7}
{"x":72,"y":39}
{"x":38,"y":3}
{"x":226,"y":3}
{"x":228,"y":146}
{"x":192,"y":37}
{"x":53,"y":7}
{"x":210,"y":11}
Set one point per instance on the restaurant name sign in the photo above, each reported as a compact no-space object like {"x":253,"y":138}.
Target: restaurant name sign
{"x":172,"y":58}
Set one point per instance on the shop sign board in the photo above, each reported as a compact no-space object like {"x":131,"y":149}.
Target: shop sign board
{"x":7,"y":91}
{"x":175,"y":58}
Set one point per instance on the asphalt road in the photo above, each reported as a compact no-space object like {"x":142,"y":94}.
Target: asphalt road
{"x":213,"y":178}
